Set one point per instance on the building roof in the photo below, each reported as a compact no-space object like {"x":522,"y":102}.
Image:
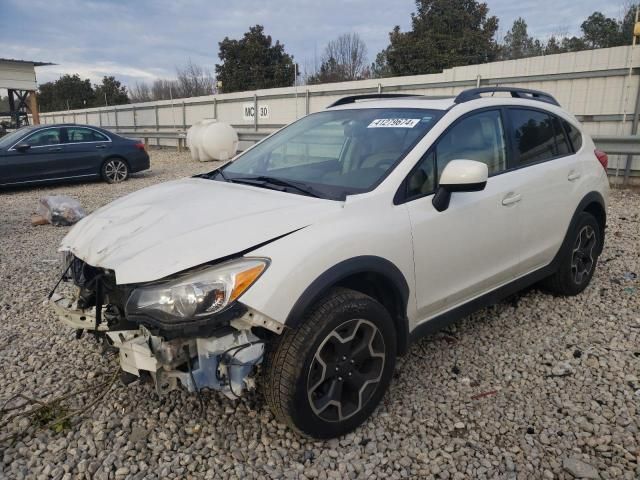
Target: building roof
{"x":30,"y":62}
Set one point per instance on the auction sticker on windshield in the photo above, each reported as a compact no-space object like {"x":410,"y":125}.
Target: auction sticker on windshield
{"x":394,"y":123}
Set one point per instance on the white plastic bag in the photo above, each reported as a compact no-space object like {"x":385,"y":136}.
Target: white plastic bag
{"x":61,"y":210}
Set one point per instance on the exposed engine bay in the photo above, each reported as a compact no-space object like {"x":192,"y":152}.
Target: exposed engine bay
{"x":220,"y":352}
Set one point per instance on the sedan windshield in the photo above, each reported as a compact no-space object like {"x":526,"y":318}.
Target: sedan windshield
{"x":332,"y":154}
{"x":10,"y":138}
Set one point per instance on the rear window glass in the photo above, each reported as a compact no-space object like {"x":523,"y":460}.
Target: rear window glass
{"x":78,"y":134}
{"x":574,"y":135}
{"x":562,"y":144}
{"x":537,"y":136}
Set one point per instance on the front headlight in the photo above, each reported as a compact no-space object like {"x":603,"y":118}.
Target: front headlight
{"x":196,"y":294}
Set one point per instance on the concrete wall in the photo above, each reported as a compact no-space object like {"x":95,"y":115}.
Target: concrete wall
{"x":598,"y":86}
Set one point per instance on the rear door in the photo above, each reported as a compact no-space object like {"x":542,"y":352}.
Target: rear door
{"x":40,"y":161}
{"x":548,"y":174}
{"x":85,"y":148}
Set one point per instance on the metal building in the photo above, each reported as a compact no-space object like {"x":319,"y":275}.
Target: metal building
{"x":19,"y":78}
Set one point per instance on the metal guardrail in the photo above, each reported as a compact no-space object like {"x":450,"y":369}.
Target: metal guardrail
{"x":181,"y":136}
{"x":611,"y":144}
{"x":628,"y":145}
{"x":618,"y":145}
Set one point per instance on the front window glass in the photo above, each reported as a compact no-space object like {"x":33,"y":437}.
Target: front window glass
{"x":422,"y":180}
{"x":49,"y":136}
{"x":478,"y":137}
{"x":335,"y":153}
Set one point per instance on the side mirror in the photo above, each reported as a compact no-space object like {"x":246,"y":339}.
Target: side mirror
{"x":22,"y":147}
{"x":459,"y":176}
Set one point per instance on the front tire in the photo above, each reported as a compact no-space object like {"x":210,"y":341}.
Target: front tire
{"x":578,"y":263}
{"x":114,"y":170}
{"x":325,"y":377}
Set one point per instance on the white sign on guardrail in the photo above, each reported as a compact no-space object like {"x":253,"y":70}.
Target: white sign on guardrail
{"x":248,"y":111}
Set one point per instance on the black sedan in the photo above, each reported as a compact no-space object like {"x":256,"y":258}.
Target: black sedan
{"x":64,"y":152}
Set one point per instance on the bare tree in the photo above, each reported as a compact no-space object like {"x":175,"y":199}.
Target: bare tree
{"x":344,"y":59}
{"x":194,"y":81}
{"x":349,"y":51}
{"x":140,"y":92}
{"x":163,"y":89}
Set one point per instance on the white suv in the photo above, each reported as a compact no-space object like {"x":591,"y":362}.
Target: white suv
{"x":313,"y":259}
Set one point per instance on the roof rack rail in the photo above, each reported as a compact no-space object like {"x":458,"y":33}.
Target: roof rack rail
{"x":474,"y":93}
{"x":367,"y":96}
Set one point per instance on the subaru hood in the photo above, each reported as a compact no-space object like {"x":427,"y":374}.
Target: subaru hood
{"x":173,"y":226}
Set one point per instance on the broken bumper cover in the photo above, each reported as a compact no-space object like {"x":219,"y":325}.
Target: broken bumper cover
{"x":224,"y":361}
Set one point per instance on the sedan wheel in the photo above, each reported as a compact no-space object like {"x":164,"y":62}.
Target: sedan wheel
{"x":115,"y":170}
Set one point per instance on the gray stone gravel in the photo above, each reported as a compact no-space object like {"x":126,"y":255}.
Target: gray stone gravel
{"x":535,"y":387}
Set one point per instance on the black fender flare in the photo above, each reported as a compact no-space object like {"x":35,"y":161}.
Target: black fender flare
{"x":590,"y":198}
{"x":352,"y":266}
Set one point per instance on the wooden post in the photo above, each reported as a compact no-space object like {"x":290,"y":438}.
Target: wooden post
{"x":33,"y":108}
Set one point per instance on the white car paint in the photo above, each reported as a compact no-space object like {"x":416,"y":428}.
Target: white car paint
{"x":169,"y":227}
{"x":447,"y":258}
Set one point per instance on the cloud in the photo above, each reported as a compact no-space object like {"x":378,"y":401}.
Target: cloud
{"x":146,"y":39}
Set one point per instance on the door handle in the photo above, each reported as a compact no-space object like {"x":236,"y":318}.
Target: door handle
{"x":57,"y":149}
{"x":100,"y":146}
{"x":511,"y":199}
{"x":573,"y":175}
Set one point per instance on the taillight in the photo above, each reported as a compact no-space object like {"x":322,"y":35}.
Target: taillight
{"x":603,"y":158}
{"x":140,"y":146}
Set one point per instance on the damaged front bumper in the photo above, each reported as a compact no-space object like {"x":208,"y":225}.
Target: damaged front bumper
{"x":225,"y":360}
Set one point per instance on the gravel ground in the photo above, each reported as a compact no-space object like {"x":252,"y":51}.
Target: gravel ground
{"x":535,"y":387}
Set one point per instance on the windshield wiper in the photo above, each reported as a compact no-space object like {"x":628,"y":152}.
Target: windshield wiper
{"x":212,"y":175}
{"x":264,"y":180}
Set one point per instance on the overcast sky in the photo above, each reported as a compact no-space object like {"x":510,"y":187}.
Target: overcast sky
{"x":146,"y":39}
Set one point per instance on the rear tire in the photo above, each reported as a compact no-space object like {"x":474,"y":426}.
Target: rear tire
{"x":114,"y":170}
{"x":325,"y":377}
{"x":579,"y":261}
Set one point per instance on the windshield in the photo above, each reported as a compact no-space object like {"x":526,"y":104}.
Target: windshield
{"x":12,"y":137}
{"x":332,"y":154}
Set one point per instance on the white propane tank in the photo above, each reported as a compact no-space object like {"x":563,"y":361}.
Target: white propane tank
{"x":211,"y":140}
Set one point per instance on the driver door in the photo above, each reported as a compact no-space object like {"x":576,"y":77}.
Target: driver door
{"x":38,"y":162}
{"x":472,"y":247}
